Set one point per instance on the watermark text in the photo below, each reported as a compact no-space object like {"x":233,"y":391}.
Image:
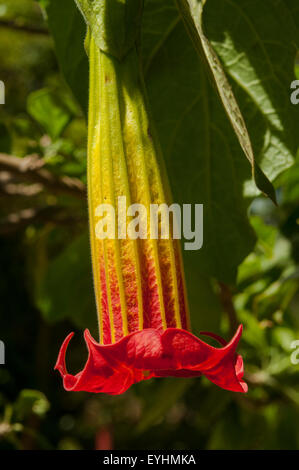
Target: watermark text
{"x":2,"y":353}
{"x":295,"y":353}
{"x":2,"y":92}
{"x":295,"y":93}
{"x":159,"y":222}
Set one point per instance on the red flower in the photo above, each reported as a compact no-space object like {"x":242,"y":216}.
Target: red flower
{"x":139,"y":282}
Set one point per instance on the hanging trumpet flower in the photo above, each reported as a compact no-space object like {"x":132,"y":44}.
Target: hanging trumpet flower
{"x":143,"y":315}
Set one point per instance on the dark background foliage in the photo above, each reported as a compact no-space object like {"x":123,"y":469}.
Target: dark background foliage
{"x":246,"y":272}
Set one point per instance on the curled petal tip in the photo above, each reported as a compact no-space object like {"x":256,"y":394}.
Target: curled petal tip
{"x":60,"y":363}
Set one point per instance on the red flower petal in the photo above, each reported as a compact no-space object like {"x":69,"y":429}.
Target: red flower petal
{"x":113,"y":368}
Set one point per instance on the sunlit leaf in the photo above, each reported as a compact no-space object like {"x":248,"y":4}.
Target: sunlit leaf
{"x":31,"y":402}
{"x":49,"y":111}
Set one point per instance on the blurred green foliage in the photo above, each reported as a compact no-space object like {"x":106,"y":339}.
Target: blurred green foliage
{"x":46,"y":281}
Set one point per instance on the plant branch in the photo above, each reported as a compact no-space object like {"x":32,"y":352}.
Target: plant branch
{"x":31,"y":169}
{"x":23,"y":27}
{"x":20,"y":220}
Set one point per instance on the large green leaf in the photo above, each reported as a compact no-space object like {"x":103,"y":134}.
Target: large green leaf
{"x":191,"y":11}
{"x":257,"y":43}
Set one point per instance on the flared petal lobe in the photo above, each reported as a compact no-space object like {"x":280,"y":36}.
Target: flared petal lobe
{"x":113,"y":368}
